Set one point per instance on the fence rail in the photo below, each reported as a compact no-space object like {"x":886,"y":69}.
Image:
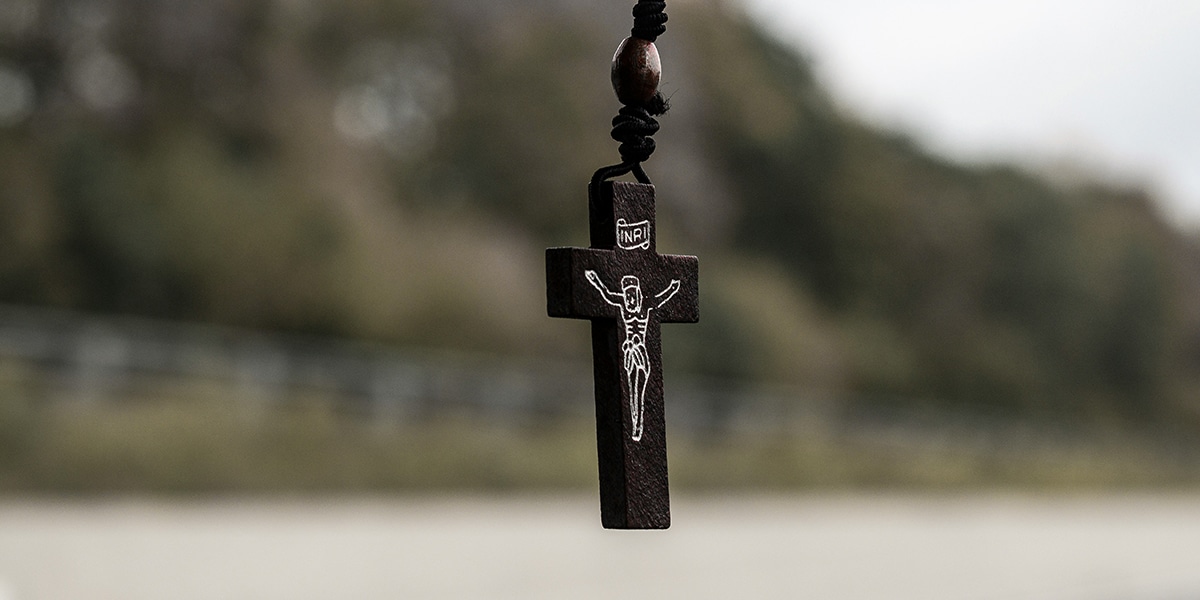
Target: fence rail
{"x":94,"y":359}
{"x":99,"y":359}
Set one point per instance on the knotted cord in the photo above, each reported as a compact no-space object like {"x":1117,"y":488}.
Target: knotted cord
{"x":635,"y":124}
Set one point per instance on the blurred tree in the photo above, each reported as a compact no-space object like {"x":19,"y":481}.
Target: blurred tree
{"x":392,"y":169}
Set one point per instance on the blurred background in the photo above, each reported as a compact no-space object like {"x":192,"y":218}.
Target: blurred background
{"x":281,"y":249}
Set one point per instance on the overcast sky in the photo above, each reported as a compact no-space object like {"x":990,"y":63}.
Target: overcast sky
{"x":1112,"y":84}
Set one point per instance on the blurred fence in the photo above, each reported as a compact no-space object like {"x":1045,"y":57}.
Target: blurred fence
{"x":776,"y":434}
{"x":90,"y":359}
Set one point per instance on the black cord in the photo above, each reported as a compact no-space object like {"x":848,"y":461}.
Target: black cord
{"x":649,"y":19}
{"x":635,"y":123}
{"x":633,"y":127}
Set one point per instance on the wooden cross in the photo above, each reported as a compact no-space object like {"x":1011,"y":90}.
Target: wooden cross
{"x":626,"y":289}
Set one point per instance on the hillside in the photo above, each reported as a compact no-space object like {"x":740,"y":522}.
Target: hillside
{"x":393,"y":169}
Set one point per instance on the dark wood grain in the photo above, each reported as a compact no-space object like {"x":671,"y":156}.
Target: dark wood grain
{"x":627,"y":290}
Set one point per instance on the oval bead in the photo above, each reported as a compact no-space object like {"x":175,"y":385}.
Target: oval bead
{"x":636,"y":71}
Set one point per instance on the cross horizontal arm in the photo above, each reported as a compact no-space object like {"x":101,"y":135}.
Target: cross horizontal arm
{"x":684,"y":306}
{"x":570,"y":295}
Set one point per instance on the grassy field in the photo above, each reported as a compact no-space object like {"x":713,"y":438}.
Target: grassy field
{"x":180,"y":439}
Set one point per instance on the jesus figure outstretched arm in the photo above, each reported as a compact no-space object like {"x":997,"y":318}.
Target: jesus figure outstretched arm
{"x":609,"y":297}
{"x":668,"y":293}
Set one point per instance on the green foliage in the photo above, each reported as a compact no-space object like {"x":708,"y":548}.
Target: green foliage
{"x":187,"y":439}
{"x":195,"y":442}
{"x":392,"y":168}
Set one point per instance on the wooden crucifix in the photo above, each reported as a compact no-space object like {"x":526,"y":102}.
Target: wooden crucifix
{"x":626,"y":289}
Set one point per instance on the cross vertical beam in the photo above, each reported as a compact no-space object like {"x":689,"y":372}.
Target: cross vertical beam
{"x":626,"y":289}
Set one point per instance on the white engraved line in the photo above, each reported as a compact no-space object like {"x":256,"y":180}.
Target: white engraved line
{"x":635,"y":358}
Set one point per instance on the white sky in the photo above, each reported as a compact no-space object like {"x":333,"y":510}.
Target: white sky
{"x":1112,"y":84}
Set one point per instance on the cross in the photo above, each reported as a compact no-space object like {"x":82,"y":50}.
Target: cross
{"x":626,"y":289}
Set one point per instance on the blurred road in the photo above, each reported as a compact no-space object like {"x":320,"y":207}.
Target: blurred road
{"x":891,"y":547}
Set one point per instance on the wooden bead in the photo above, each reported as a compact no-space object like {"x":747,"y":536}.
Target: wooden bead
{"x":636,"y":71}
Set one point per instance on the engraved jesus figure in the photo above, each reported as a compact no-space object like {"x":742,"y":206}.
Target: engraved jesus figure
{"x":636,"y":317}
